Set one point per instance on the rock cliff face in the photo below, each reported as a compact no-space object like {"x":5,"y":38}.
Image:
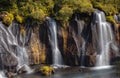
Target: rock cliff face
{"x":37,"y":54}
{"x":73,"y":39}
{"x":117,"y":32}
{"x":77,"y":42}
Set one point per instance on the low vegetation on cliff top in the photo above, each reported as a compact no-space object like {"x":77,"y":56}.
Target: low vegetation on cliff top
{"x":61,"y":10}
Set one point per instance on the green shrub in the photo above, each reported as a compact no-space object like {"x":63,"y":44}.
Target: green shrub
{"x":62,"y":10}
{"x":8,"y":19}
{"x":38,"y":14}
{"x":109,"y":9}
{"x":14,"y":9}
{"x":64,"y":13}
{"x":110,"y":19}
{"x":19,"y":19}
{"x":48,"y":6}
{"x":46,"y":70}
{"x":34,"y":10}
{"x":85,"y":7}
{"x":68,"y":7}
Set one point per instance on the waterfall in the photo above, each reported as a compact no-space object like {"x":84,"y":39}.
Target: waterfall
{"x":13,"y":43}
{"x":83,"y":54}
{"x":105,"y":38}
{"x":79,"y":40}
{"x":116,"y":18}
{"x":56,"y":54}
{"x":2,"y":74}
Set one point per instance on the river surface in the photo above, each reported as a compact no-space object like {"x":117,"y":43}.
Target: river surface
{"x":99,"y":73}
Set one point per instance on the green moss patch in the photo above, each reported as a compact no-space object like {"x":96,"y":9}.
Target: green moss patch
{"x":7,"y":19}
{"x":46,"y":70}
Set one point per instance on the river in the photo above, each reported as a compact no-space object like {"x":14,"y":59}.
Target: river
{"x":99,"y":73}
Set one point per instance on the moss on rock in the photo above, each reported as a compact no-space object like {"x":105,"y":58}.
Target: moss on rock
{"x":19,"y":19}
{"x":110,"y":19}
{"x":46,"y":70}
{"x":7,"y":19}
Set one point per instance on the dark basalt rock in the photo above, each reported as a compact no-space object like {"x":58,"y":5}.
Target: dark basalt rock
{"x":115,"y":60}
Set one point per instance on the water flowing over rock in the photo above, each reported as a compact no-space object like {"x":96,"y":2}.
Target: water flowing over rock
{"x":2,"y":75}
{"x":85,"y":41}
{"x":117,"y":27}
{"x":13,"y":46}
{"x":75,"y":37}
{"x":56,"y":54}
{"x":103,"y":39}
{"x":81,"y":41}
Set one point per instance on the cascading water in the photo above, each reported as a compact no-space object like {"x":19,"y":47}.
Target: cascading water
{"x":80,"y":42}
{"x":117,"y":18}
{"x":13,"y":43}
{"x":82,"y":54}
{"x":105,"y":38}
{"x":2,"y":74}
{"x":57,"y":57}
